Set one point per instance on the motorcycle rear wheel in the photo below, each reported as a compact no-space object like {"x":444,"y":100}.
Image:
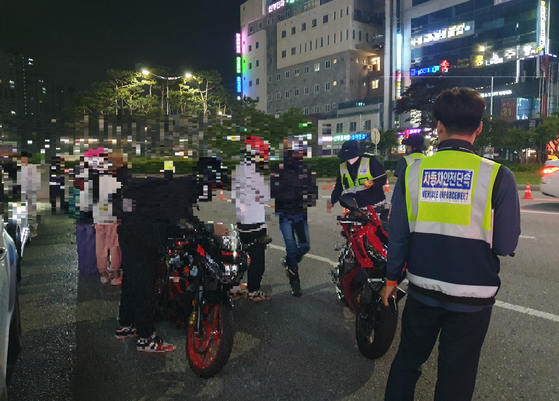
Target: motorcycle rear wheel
{"x":208,"y":350}
{"x":375,"y":328}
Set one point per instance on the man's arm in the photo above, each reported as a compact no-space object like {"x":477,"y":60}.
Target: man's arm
{"x":337,"y":192}
{"x":400,"y":167}
{"x":506,"y":218}
{"x":377,"y":171}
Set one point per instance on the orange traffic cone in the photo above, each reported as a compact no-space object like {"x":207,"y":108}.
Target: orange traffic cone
{"x":528,"y":193}
{"x":386,"y":187}
{"x":222,"y":198}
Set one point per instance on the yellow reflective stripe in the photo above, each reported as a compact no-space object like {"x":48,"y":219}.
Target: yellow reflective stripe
{"x":457,"y":290}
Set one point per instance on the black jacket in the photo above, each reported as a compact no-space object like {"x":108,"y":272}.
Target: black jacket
{"x":293,"y":186}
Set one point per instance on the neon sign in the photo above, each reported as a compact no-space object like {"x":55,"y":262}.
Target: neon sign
{"x":542,"y":23}
{"x":238,"y":65}
{"x":279,"y":4}
{"x":239,"y":85}
{"x":443,"y":67}
{"x":497,"y":93}
{"x":238,"y":43}
{"x":451,"y":32}
{"x":353,"y":137}
{"x":399,"y":66}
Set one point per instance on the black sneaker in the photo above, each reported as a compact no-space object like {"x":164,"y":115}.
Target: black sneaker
{"x":296,"y":288}
{"x":154,"y":344}
{"x":124,"y":332}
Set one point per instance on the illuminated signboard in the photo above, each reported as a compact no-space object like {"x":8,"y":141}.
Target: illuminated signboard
{"x":443,"y":67}
{"x":399,"y":66}
{"x":239,"y":85}
{"x":497,"y":93}
{"x":353,"y":137}
{"x":542,"y":22}
{"x":238,"y":43}
{"x":466,"y":28}
{"x":502,"y":56}
{"x":279,"y":4}
{"x":238,"y":64}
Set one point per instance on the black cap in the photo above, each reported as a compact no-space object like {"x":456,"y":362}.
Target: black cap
{"x":350,"y":150}
{"x":416,"y":141}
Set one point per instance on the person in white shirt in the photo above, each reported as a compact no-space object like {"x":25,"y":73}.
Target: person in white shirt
{"x":250,"y":194}
{"x":106,"y":236}
{"x":29,"y":177}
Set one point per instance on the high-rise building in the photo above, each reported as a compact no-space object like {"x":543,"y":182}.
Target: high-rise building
{"x":315,"y":55}
{"x":503,"y":48}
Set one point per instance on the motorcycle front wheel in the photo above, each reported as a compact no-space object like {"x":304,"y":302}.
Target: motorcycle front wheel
{"x":208,"y":350}
{"x":375,"y":328}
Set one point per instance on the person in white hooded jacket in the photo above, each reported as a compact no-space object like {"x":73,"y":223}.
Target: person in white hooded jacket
{"x":250,"y":193}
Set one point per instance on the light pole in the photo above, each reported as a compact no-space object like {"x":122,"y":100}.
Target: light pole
{"x":167,"y":79}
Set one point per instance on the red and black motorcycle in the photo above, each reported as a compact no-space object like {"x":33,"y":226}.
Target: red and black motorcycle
{"x":361,"y":274}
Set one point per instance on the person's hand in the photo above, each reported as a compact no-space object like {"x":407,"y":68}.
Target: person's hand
{"x":387,"y":291}
{"x":328,"y":207}
{"x":369,"y":183}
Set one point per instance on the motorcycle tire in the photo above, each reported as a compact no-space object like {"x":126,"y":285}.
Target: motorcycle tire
{"x":375,"y":328}
{"x":162,"y":288}
{"x":209,"y":350}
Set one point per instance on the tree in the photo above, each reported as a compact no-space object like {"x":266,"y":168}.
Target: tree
{"x":388,"y":141}
{"x":494,"y":134}
{"x":544,"y":135}
{"x":202,"y":86}
{"x":126,"y":87}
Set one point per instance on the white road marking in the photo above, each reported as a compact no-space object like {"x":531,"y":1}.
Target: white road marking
{"x":527,"y":237}
{"x":505,"y":305}
{"x":538,"y":212}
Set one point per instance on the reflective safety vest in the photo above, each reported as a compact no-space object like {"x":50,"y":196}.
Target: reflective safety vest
{"x":450,"y":194}
{"x":413,"y":157}
{"x":363,"y":174}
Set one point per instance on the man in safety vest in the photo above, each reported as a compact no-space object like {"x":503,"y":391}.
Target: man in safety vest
{"x":415,"y":145}
{"x":360,"y":174}
{"x":452,"y":214}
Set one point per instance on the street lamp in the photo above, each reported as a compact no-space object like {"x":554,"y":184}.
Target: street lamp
{"x":167,"y":79}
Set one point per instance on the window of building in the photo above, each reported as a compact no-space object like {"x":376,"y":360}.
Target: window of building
{"x":293,"y":51}
{"x":313,"y":23}
{"x":278,"y":76}
{"x":367,"y":37}
{"x":341,"y":36}
{"x":283,"y":54}
{"x":249,"y":84}
{"x":364,"y":83}
{"x":307,"y":69}
{"x":257,"y":99}
{"x":347,"y":11}
{"x":257,"y":63}
{"x":346,"y":34}
{"x":270,"y":97}
{"x":283,"y":33}
{"x":286,"y":74}
{"x":334,"y":16}
{"x":305,"y":47}
{"x":326,"y":108}
{"x":353,"y":126}
{"x":374,"y":84}
{"x":325,"y":19}
{"x":354,"y":34}
{"x":306,"y":90}
{"x":278,"y":96}
{"x":341,"y":13}
{"x":250,"y":29}
{"x":257,"y":45}
{"x":293,"y":30}
{"x":249,"y":48}
{"x":327,"y":86}
{"x":360,"y":36}
{"x":287,"y":93}
{"x":287,"y":13}
{"x":316,"y":43}
{"x":316,"y":88}
{"x":322,"y":42}
{"x":327,"y":40}
{"x":303,"y":26}
{"x":334,"y":83}
{"x":367,"y":125}
{"x":316,"y":67}
{"x":334,"y":105}
{"x":334,"y":37}
{"x":375,"y":64}
{"x":316,"y":109}
{"x":310,"y":45}
{"x":335,"y":61}
{"x":257,"y":81}
{"x":296,"y":72}
{"x":260,"y":25}
{"x":269,"y":79}
{"x":269,"y":23}
{"x":305,"y":111}
{"x":278,"y":17}
{"x":339,"y":128}
{"x":250,"y":66}
{"x":296,"y":92}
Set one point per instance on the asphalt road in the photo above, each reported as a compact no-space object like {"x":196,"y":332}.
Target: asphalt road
{"x":287,"y":349}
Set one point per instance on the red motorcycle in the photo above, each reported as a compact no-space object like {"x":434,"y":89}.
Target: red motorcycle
{"x":361,"y":274}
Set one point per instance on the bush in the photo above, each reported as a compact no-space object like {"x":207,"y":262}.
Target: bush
{"x":520,"y":167}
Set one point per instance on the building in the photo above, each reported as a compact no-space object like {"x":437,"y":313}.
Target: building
{"x":503,"y":48}
{"x":314,"y":55}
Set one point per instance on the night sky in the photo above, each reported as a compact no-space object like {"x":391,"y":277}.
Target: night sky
{"x":78,"y":41}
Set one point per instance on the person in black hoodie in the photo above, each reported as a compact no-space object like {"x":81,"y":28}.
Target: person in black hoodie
{"x":293,"y":186}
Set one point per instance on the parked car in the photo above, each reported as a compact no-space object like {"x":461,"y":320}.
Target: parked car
{"x":550,"y":180}
{"x":10,"y":323}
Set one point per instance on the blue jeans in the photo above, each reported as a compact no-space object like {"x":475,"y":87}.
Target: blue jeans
{"x":295,"y":231}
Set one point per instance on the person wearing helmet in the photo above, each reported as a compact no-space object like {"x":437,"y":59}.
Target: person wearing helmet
{"x":360,"y":174}
{"x":250,"y":194}
{"x":415,"y":146}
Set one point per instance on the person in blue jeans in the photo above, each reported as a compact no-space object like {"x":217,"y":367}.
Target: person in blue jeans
{"x":293,"y":186}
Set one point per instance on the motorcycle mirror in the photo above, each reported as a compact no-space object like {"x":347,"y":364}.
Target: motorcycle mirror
{"x":349,"y":202}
